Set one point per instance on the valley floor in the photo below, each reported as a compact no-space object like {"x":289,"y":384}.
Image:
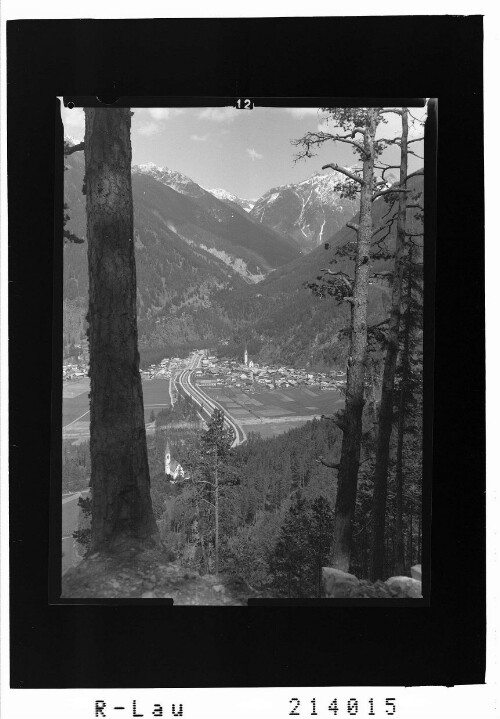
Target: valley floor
{"x":271,"y":412}
{"x":75,"y":410}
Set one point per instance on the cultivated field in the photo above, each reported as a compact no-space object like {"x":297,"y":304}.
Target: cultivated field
{"x":271,"y":412}
{"x":75,"y":409}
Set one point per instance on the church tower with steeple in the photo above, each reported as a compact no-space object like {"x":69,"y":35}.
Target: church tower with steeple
{"x":172,"y":468}
{"x":167,"y":459}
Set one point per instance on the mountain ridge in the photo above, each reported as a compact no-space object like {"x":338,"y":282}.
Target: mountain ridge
{"x":310,"y":211}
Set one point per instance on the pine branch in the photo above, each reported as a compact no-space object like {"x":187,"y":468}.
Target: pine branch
{"x":342,"y":275}
{"x":362,"y":130}
{"x":391,"y":208}
{"x":386,"y":225}
{"x":347,"y":141}
{"x":382,"y":275}
{"x":343,"y":171}
{"x":332,"y":465}
{"x":70,"y":149}
{"x":353,"y":226}
{"x":380,"y":193}
{"x":71,"y":237}
{"x":389,"y":167}
{"x":415,"y":206}
{"x":335,"y":419}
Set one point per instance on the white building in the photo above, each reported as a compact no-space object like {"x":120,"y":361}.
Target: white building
{"x":173,"y":469}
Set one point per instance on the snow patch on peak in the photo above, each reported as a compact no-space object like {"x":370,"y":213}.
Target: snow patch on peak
{"x":222,"y":194}
{"x":176,"y":180}
{"x":148,"y":167}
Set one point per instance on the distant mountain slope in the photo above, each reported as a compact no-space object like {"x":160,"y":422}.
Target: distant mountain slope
{"x":310,"y":211}
{"x":231,"y":199}
{"x":192,"y":291}
{"x":285,"y":322}
{"x":194,"y":231}
{"x":179,"y":262}
{"x":270,"y":248}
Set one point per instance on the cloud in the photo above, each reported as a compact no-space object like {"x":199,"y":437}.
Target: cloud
{"x":150,"y":128}
{"x":160,"y":116}
{"x":73,"y":121}
{"x":165,"y":113}
{"x":200,"y":138}
{"x":254,"y":154}
{"x":219,"y":114}
{"x":302,"y":111}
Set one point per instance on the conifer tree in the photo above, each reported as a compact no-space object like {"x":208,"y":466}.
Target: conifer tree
{"x":356,"y":127}
{"x":409,"y":403}
{"x":392,"y":346}
{"x":290,"y":563}
{"x":320,"y":538}
{"x":121,"y":501}
{"x":212,"y":475}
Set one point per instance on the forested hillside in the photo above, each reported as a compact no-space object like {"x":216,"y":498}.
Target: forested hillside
{"x":270,"y":518}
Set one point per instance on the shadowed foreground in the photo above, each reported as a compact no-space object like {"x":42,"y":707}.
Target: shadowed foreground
{"x":149,"y":574}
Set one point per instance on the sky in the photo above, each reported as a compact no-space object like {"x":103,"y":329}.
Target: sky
{"x":246,"y":152}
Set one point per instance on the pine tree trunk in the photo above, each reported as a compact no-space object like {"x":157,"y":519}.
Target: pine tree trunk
{"x":356,"y":367}
{"x":377,"y":569}
{"x":405,"y":359}
{"x":400,"y":546}
{"x":419,"y":538}
{"x":410,"y":548}
{"x":202,"y":540}
{"x":121,"y":498}
{"x":216,"y":521}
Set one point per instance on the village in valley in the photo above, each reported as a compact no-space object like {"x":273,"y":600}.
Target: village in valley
{"x":248,"y":375}
{"x":213,"y":372}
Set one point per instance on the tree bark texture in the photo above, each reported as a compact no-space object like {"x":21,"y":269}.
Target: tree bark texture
{"x":385,"y":419}
{"x":401,"y":431}
{"x":356,"y":366}
{"x":216,"y":520}
{"x":122,"y":506}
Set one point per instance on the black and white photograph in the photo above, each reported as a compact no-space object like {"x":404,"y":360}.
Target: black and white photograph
{"x":243,"y":362}
{"x":243,"y":352}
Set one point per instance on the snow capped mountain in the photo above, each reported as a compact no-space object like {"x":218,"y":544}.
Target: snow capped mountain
{"x":176,"y":180}
{"x":310,"y":211}
{"x":220,"y":227}
{"x":226,"y":196}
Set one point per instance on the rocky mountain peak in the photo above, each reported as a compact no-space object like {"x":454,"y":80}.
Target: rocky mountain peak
{"x":310,"y":211}
{"x":226,"y":196}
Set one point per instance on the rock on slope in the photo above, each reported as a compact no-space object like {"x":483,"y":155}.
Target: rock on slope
{"x":338,"y":584}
